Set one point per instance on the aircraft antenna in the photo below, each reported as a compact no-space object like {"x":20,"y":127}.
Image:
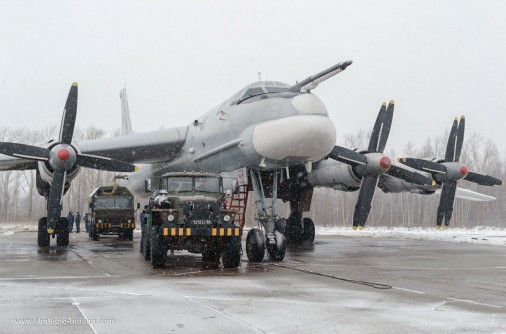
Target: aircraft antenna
{"x":259,"y":76}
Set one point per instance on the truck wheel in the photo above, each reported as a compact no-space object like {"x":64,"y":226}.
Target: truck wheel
{"x":43,"y":239}
{"x":130,"y":235}
{"x":231,"y":256}
{"x":146,"y":250}
{"x":211,"y":257}
{"x":277,"y":251}
{"x":309,"y":231}
{"x":62,"y":237}
{"x":158,"y":252}
{"x":255,"y":245}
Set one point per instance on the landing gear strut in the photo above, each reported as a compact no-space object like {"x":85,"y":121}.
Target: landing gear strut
{"x":274,"y":240}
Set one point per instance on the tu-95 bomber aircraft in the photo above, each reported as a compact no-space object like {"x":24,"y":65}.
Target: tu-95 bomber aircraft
{"x":281,"y":134}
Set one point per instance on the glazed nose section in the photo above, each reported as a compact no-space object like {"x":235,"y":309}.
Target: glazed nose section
{"x":297,"y":138}
{"x":309,"y":104}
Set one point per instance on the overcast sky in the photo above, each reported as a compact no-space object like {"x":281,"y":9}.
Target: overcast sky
{"x":436,"y":59}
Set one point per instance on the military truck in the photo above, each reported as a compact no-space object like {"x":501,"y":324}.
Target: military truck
{"x":189,"y":211}
{"x":112,"y":212}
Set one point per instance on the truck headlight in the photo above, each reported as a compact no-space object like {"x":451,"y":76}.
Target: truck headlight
{"x":130,"y":220}
{"x":226,"y":218}
{"x":171,"y":217}
{"x":100,"y":221}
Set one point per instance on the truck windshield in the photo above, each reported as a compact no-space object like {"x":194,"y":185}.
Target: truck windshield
{"x":207,"y":184}
{"x":178,"y":184}
{"x":113,"y":203}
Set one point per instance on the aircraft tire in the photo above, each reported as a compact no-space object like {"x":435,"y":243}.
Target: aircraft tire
{"x":277,"y":251}
{"x":43,"y":238}
{"x":158,"y":251}
{"x":255,"y":245}
{"x":293,"y":230}
{"x":231,"y":256}
{"x":62,"y":237}
{"x":309,"y":231}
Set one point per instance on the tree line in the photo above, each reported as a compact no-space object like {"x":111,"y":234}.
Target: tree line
{"x":20,"y":201}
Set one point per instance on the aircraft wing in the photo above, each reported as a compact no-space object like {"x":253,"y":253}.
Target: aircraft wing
{"x":149,"y":147}
{"x":12,"y":163}
{"x":470,"y":195}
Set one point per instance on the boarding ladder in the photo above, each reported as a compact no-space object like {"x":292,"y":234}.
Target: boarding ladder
{"x":238,"y":204}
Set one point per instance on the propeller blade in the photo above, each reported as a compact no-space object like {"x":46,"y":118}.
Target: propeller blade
{"x":347,"y":156}
{"x":409,"y":176}
{"x":24,"y":151}
{"x":424,"y":165}
{"x":445,"y":208}
{"x":69,"y":116}
{"x":103,"y":163}
{"x":387,"y":125}
{"x":377,"y":129}
{"x":365,"y":196}
{"x":54,"y":200}
{"x":460,"y":138}
{"x":450,"y":147}
{"x":483,"y":180}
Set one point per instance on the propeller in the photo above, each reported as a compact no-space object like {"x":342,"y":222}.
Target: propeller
{"x":61,"y":157}
{"x":370,"y":165}
{"x":449,"y":171}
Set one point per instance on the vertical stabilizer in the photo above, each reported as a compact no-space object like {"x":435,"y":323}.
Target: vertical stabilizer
{"x":126,"y":124}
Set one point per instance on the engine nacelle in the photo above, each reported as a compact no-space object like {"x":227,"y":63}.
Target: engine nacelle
{"x":333,"y":174}
{"x":394,"y":185}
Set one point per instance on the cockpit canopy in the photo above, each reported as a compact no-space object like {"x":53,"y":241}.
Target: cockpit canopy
{"x":259,"y":88}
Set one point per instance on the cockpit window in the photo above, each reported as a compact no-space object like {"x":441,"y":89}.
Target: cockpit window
{"x":259,"y":88}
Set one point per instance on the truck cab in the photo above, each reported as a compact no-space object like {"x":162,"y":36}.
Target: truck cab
{"x":112,"y":212}
{"x":189,"y":211}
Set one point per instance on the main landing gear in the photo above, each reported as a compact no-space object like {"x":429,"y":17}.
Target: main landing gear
{"x":274,"y":239}
{"x":61,"y":233}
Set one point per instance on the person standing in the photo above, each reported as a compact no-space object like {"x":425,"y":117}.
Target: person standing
{"x":87,"y":222}
{"x":70,"y":221}
{"x":143,"y":225}
{"x":78,"y":222}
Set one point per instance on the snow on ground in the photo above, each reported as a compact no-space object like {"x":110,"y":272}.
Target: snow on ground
{"x":479,"y":234}
{"x":10,"y":228}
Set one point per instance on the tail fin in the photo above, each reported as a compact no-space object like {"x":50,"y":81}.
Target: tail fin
{"x":126,"y":124}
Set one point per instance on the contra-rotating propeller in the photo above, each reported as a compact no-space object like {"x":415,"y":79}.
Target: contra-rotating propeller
{"x":370,"y":165}
{"x":61,"y":157}
{"x":449,"y":171}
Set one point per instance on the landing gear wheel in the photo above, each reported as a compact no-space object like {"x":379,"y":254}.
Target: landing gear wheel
{"x":146,"y":249}
{"x":309,"y":231}
{"x":255,"y":245}
{"x":276,"y":252}
{"x":231,"y":256}
{"x":293,"y":230}
{"x":158,"y":251}
{"x":43,"y":238}
{"x":62,"y":235}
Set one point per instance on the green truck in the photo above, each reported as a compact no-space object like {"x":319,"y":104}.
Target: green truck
{"x":112,"y":212}
{"x":189,"y":211}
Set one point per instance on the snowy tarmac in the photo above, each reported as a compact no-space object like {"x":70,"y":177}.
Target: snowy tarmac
{"x":343,"y":284}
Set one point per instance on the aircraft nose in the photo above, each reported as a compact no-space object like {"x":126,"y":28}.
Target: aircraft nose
{"x":297,"y":138}
{"x":309,"y":104}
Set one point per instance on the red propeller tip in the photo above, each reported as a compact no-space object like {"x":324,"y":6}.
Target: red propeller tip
{"x":63,"y":154}
{"x":385,"y":162}
{"x":464,"y":170}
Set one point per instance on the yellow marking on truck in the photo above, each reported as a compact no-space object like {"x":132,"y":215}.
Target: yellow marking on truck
{"x":181,"y":231}
{"x":173,"y":231}
{"x":165,"y":232}
{"x":229,"y":232}
{"x":236,"y":232}
{"x":188,"y":232}
{"x":213,"y":232}
{"x":222,"y":232}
